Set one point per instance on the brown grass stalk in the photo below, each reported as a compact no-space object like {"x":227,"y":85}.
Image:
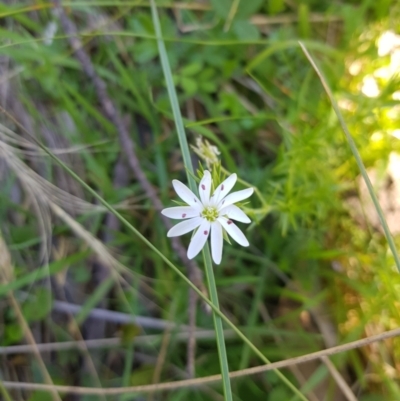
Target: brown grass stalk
{"x":208,"y":379}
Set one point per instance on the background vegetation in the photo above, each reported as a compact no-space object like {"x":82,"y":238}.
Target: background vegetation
{"x":318,"y":272}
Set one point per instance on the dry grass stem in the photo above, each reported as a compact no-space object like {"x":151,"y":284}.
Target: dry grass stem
{"x":208,"y":379}
{"x":182,"y":336}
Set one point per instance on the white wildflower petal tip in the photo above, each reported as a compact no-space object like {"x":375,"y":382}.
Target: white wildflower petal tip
{"x":217,"y":242}
{"x":199,"y":239}
{"x":180,"y":212}
{"x":234,"y":231}
{"x":224,"y":188}
{"x":235,"y":197}
{"x":186,"y":194}
{"x":184,"y":227}
{"x":234,"y":213}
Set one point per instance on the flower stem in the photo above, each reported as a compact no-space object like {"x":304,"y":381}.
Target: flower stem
{"x":192,"y":184}
{"x":219,"y":330}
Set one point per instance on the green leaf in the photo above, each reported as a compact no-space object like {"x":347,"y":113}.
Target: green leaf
{"x":191,"y":69}
{"x":275,"y":6}
{"x":38,"y":305}
{"x":278,"y":394}
{"x":145,"y":51}
{"x":245,"y":8}
{"x":13,"y":333}
{"x":245,"y":31}
{"x":208,"y":87}
{"x":143,"y":375}
{"x":189,"y":85}
{"x":221,"y":7}
{"x":41,"y":396}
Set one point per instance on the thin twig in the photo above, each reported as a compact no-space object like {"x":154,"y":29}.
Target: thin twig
{"x":346,"y":390}
{"x":110,"y":342}
{"x":208,"y":379}
{"x":118,"y":317}
{"x":127,"y":145}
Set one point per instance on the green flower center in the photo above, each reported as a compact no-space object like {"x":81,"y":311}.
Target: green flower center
{"x":210,"y":213}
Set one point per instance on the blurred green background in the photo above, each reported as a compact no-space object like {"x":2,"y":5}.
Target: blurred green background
{"x":318,"y":272}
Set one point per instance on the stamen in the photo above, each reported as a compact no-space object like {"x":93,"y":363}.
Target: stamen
{"x":203,"y":187}
{"x":195,"y":200}
{"x":184,"y":215}
{"x":222,"y":187}
{"x":205,"y":232}
{"x":230,"y":221}
{"x":210,"y":213}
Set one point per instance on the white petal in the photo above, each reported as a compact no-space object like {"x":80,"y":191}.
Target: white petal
{"x":217,"y":242}
{"x":234,"y":213}
{"x":184,"y":227}
{"x":235,"y":197}
{"x":234,"y":231}
{"x":199,"y":239}
{"x":186,"y":194}
{"x":223,"y":189}
{"x":180,"y":212}
{"x":205,"y":187}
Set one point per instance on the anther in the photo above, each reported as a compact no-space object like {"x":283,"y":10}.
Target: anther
{"x":222,"y":187}
{"x":184,"y":215}
{"x":203,"y":187}
{"x":229,"y":221}
{"x":205,"y":232}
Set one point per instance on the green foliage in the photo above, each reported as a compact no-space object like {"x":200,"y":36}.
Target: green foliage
{"x":250,"y":91}
{"x":38,"y":306}
{"x":40,"y":396}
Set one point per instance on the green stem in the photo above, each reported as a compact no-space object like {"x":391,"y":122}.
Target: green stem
{"x":219,"y":330}
{"x":180,"y":129}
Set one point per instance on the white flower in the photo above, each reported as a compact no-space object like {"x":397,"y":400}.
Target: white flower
{"x":209,"y":214}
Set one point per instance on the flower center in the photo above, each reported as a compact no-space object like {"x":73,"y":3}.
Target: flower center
{"x":210,"y":213}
